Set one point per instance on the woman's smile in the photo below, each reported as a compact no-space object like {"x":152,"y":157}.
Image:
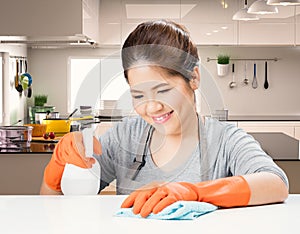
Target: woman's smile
{"x":162,"y":118}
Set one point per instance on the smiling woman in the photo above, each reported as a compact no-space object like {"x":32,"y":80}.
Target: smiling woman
{"x":165,"y":101}
{"x":195,"y":158}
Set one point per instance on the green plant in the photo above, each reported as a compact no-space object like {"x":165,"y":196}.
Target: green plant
{"x":40,"y":100}
{"x":223,"y":59}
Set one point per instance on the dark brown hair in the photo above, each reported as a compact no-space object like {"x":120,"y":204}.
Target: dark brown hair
{"x":161,"y":43}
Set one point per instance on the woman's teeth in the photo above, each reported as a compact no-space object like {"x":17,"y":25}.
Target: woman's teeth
{"x":163,"y":117}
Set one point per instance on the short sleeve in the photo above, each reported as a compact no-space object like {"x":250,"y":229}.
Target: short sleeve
{"x":245,"y":155}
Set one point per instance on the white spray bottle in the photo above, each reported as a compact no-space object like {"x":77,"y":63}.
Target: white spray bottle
{"x":82,"y":181}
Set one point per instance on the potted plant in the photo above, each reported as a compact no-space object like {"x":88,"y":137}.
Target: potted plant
{"x":40,"y":100}
{"x":223,"y":64}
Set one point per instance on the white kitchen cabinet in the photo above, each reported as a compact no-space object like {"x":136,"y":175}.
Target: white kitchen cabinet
{"x":287,"y":127}
{"x":110,"y":22}
{"x":297,"y":20}
{"x":277,"y":29}
{"x":118,"y":18}
{"x":297,"y":132}
{"x":40,"y":19}
{"x":213,"y":34}
{"x":210,"y":22}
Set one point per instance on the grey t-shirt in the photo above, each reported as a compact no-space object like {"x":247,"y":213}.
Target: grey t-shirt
{"x":224,"y":150}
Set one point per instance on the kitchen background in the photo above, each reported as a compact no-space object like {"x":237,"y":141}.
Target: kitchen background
{"x":72,"y":45}
{"x":211,"y":27}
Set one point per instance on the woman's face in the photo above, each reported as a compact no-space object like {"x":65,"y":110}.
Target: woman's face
{"x":164,"y":101}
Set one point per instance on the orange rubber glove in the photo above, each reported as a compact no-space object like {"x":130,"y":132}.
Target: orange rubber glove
{"x":224,"y":192}
{"x":69,"y":149}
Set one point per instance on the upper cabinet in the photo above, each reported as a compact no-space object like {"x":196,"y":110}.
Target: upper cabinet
{"x":209,"y":21}
{"x":110,"y":22}
{"x":55,"y":19}
{"x":297,"y":25}
{"x":274,"y":29}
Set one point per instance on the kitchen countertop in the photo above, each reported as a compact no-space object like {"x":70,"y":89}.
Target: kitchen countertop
{"x":48,"y":147}
{"x":95,"y":214}
{"x":35,"y":147}
{"x":278,"y":145}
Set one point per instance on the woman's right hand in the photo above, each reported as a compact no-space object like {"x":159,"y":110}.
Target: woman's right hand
{"x":70,"y":149}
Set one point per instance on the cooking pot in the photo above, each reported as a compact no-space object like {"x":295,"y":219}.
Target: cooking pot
{"x":39,"y":117}
{"x":52,"y":115}
{"x":58,"y":126}
{"x":15,"y":136}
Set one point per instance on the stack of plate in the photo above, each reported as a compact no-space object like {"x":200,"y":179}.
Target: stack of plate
{"x":86,"y":110}
{"x":109,"y":108}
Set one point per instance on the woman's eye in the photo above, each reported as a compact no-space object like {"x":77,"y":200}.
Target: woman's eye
{"x":164,"y":91}
{"x":137,"y":96}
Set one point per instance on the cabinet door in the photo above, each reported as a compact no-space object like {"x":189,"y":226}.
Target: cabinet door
{"x":40,"y":18}
{"x":277,"y":29}
{"x":297,"y":25}
{"x":210,"y":21}
{"x":46,"y":19}
{"x":292,"y":170}
{"x":297,"y":133}
{"x":110,"y":22}
{"x":253,"y":126}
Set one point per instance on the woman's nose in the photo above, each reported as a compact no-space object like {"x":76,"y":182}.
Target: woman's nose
{"x":153,"y":106}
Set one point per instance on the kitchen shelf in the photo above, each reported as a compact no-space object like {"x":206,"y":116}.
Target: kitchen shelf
{"x":246,"y":59}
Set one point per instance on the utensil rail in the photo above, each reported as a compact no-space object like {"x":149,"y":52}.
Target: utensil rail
{"x":247,"y":59}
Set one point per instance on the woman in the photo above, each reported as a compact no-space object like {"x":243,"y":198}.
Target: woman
{"x":194,"y":158}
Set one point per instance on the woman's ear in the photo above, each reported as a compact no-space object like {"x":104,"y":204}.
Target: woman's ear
{"x":195,"y":81}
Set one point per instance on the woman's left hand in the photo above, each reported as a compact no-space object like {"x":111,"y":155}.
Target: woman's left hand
{"x":224,"y":192}
{"x":156,"y":196}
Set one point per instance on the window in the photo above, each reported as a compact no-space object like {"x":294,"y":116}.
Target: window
{"x":94,"y":80}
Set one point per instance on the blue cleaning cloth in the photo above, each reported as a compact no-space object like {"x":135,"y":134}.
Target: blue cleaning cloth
{"x":180,"y":210}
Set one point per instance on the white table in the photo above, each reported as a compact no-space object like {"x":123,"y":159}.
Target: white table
{"x":95,"y":214}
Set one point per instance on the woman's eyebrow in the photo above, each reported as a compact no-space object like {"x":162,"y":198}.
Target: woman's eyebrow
{"x":153,"y":88}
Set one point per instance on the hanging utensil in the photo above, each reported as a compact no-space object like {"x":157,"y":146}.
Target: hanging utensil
{"x":254,"y":82}
{"x":16,"y":75}
{"x":29,"y":92}
{"x":20,"y":66}
{"x":18,"y":86}
{"x":72,"y":113}
{"x":25,"y":63}
{"x":26,"y":81}
{"x":266,"y":84}
{"x":246,"y":80}
{"x":232,"y":84}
